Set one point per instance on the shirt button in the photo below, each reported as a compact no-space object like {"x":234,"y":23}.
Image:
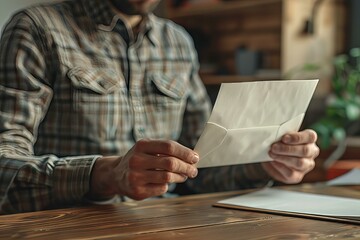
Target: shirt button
{"x":141,"y":130}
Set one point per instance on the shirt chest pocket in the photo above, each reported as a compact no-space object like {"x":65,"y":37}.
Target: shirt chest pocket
{"x":167,"y":100}
{"x":94,"y":88}
{"x":97,"y":99}
{"x":95,"y":92}
{"x":168,"y":90}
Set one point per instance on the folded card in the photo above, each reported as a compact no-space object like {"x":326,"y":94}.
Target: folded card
{"x":248,"y":117}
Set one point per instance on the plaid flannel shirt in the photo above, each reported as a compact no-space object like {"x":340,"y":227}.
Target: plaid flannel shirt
{"x":75,"y":84}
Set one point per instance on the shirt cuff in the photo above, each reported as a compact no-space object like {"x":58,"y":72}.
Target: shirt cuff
{"x":72,"y":178}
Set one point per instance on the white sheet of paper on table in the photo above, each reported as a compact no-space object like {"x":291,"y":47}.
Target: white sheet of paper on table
{"x":298,"y":202}
{"x":248,"y":117}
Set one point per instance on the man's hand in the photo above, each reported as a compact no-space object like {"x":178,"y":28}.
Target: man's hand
{"x":293,"y":156}
{"x":144,"y":171}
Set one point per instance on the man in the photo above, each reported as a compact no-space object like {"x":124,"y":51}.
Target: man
{"x":101,"y":98}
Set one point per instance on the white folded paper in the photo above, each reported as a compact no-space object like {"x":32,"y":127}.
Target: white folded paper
{"x":248,"y":117}
{"x":277,"y":200}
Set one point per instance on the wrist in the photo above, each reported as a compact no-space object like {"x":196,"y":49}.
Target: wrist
{"x":101,"y":180}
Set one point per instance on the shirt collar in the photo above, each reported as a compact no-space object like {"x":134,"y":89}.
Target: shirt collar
{"x":151,"y":30}
{"x":104,"y":15}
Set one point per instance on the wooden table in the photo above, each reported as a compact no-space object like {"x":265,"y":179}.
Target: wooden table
{"x":184,"y":218}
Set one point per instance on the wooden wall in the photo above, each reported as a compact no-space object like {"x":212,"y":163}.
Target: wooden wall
{"x":258,"y":30}
{"x":219,"y":35}
{"x":318,"y":48}
{"x":272,"y":27}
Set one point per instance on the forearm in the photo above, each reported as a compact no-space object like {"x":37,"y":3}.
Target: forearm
{"x":36,"y":183}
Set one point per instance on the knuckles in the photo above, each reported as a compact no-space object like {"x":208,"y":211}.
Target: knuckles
{"x":312,"y":135}
{"x":305,"y":164}
{"x":140,"y":145}
{"x":316,"y":151}
{"x":312,"y":165}
{"x":139,"y":195}
{"x":300,"y":163}
{"x":135,"y":162}
{"x":306,"y":151}
{"x":293,"y":177}
{"x":166,"y":177}
{"x":311,"y":150}
{"x":170,"y":164}
{"x":169,"y":146}
{"x":284,"y":148}
{"x":133,"y":178}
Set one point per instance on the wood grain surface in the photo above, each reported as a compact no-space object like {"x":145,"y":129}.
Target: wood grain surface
{"x":191,"y":217}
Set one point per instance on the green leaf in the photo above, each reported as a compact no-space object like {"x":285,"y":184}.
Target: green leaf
{"x":356,"y":100}
{"x":355,"y":52}
{"x":352,"y":112}
{"x":352,"y":81}
{"x":339,"y":134}
{"x":343,"y":105}
{"x":341,"y":60}
{"x":311,"y":67}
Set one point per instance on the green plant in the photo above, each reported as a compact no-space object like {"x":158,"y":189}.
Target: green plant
{"x":342,"y":117}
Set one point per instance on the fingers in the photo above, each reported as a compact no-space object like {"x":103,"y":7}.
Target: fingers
{"x":303,"y":137}
{"x":156,"y":177}
{"x":169,"y":148}
{"x":170,"y":164}
{"x":148,"y":190}
{"x":293,"y":156}
{"x":174,"y":165}
{"x":282,"y":173}
{"x":301,"y":150}
{"x":164,"y":155}
{"x":151,"y":183}
{"x":273,"y":172}
{"x":150,"y":165}
{"x":300,"y":164}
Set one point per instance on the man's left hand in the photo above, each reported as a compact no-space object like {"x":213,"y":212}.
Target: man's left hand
{"x":293,"y":156}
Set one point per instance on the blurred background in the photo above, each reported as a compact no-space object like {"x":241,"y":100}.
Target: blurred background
{"x":257,"y":40}
{"x":8,"y":7}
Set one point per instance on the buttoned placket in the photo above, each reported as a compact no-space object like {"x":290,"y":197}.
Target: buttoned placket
{"x":136,"y":82}
{"x":133,"y":75}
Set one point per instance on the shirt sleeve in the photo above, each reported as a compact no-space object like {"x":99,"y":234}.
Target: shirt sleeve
{"x":28,"y":182}
{"x":218,"y":178}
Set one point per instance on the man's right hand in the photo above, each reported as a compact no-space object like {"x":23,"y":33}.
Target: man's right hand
{"x":144,"y":171}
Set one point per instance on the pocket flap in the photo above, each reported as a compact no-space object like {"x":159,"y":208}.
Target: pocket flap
{"x":173,"y":86}
{"x":98,"y":81}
